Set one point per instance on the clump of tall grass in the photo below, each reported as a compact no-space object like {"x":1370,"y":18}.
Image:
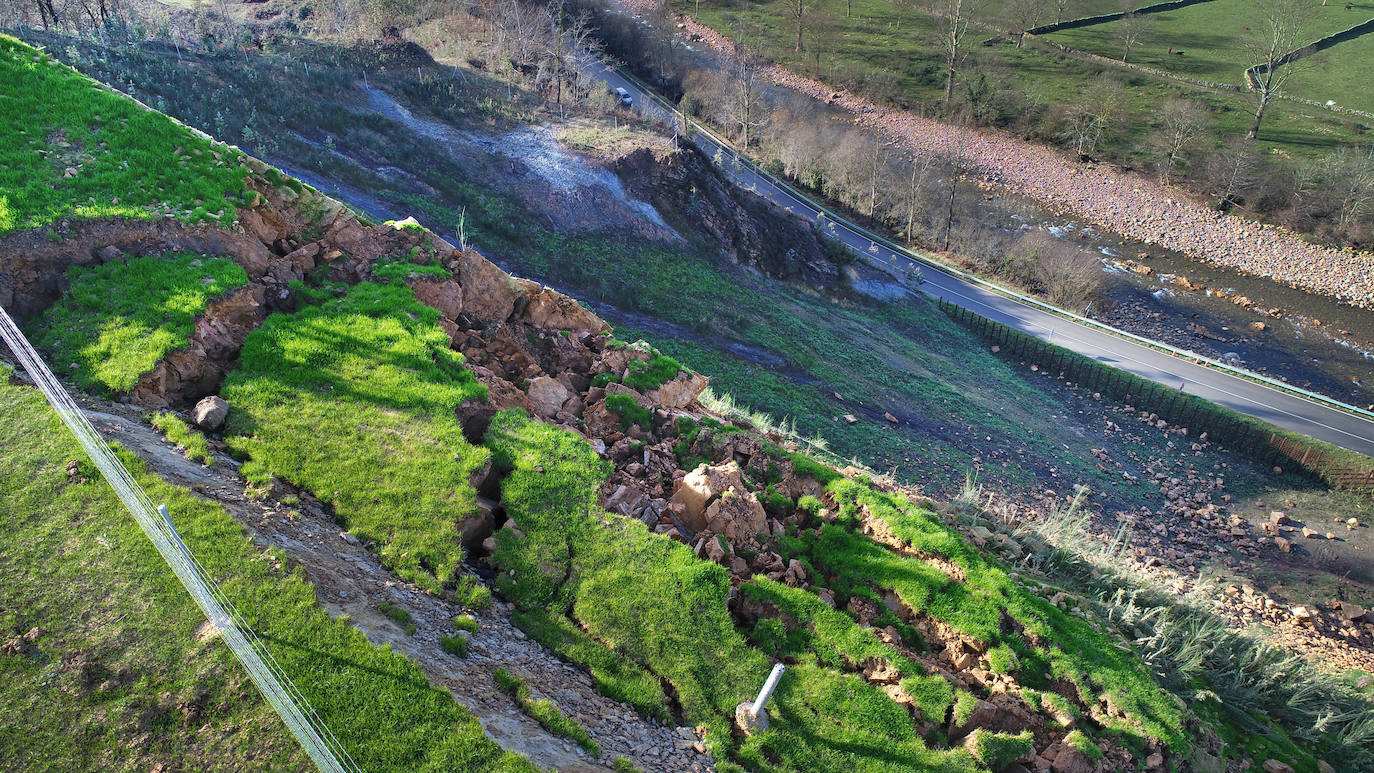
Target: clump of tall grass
{"x":1244,"y":675}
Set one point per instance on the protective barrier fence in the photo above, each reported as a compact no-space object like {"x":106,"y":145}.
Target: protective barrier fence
{"x":317,"y":740}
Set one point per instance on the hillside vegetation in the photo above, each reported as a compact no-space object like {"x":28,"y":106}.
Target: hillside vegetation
{"x":354,"y":400}
{"x":74,"y":150}
{"x":672,"y":552}
{"x":118,"y":319}
{"x":108,"y":663}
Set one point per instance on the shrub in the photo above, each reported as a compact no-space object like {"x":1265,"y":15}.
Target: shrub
{"x":456,"y":646}
{"x":465,"y":623}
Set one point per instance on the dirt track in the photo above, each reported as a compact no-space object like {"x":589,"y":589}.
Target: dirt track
{"x":1125,"y":203}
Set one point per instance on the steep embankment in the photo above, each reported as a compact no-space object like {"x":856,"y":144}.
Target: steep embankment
{"x":670,"y":552}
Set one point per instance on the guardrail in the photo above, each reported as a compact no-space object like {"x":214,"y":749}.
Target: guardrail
{"x":934,"y":263}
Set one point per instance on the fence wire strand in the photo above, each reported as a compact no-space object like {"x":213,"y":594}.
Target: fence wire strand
{"x":271,"y":679}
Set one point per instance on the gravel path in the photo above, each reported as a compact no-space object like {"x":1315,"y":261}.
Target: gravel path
{"x":1125,"y":203}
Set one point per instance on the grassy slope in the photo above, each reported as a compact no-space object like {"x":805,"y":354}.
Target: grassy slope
{"x":353,"y":399}
{"x":657,"y":605}
{"x":118,"y":319}
{"x":888,"y":43}
{"x":118,"y":650}
{"x":127,"y":161}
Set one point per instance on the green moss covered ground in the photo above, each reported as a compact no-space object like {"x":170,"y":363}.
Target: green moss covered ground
{"x":119,"y":652}
{"x":116,"y":320}
{"x":71,"y":149}
{"x":353,"y":399}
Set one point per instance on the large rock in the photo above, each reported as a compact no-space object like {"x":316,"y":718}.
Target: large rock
{"x":552,"y":310}
{"x":1071,"y":760}
{"x":210,"y":413}
{"x":715,"y":497}
{"x":547,"y":396}
{"x":681,"y":391}
{"x":737,"y":514}
{"x":445,"y":295}
{"x":489,"y":293}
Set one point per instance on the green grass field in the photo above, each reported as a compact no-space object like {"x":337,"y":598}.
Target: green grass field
{"x":70,"y":149}
{"x":1340,"y":74}
{"x":893,"y":52}
{"x":119,"y":676}
{"x":1211,"y":36}
{"x":118,"y":319}
{"x":353,"y":399}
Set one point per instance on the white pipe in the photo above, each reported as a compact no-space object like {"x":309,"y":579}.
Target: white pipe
{"x":766,"y":691}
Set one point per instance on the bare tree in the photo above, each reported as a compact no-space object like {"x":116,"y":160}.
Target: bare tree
{"x":1182,"y":122}
{"x":1130,"y":31}
{"x":746,"y":100}
{"x":1278,"y":29}
{"x":1232,"y":170}
{"x":796,"y":10}
{"x":1088,"y":120}
{"x":956,"y":16}
{"x":1024,"y":15}
{"x":1067,"y":275}
{"x":912,"y":200}
{"x":1060,"y":6}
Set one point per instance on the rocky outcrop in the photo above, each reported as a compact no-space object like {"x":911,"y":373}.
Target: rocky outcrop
{"x":715,"y":498}
{"x":192,"y":372}
{"x":683,"y":186}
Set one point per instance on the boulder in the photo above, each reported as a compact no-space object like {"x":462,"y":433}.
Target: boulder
{"x":681,"y":391}
{"x":210,"y":413}
{"x":304,"y":257}
{"x":1274,"y":766}
{"x":547,"y":396}
{"x":444,"y":296}
{"x":715,"y":497}
{"x":737,"y":514}
{"x":489,"y":293}
{"x":1071,"y":760}
{"x":552,"y":310}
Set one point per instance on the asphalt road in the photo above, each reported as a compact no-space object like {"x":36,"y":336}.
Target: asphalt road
{"x":1281,"y":409}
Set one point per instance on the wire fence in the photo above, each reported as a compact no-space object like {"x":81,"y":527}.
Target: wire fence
{"x":272,"y":681}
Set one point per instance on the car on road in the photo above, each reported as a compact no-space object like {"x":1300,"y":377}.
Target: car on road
{"x":623,"y":97}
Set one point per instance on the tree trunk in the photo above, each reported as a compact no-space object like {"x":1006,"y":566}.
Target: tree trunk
{"x":1259,"y":116}
{"x":949,"y":214}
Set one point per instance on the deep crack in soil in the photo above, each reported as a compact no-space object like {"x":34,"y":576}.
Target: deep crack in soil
{"x":349,"y":580}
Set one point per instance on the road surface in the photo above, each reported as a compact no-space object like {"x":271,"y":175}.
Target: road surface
{"x":1282,"y":409}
